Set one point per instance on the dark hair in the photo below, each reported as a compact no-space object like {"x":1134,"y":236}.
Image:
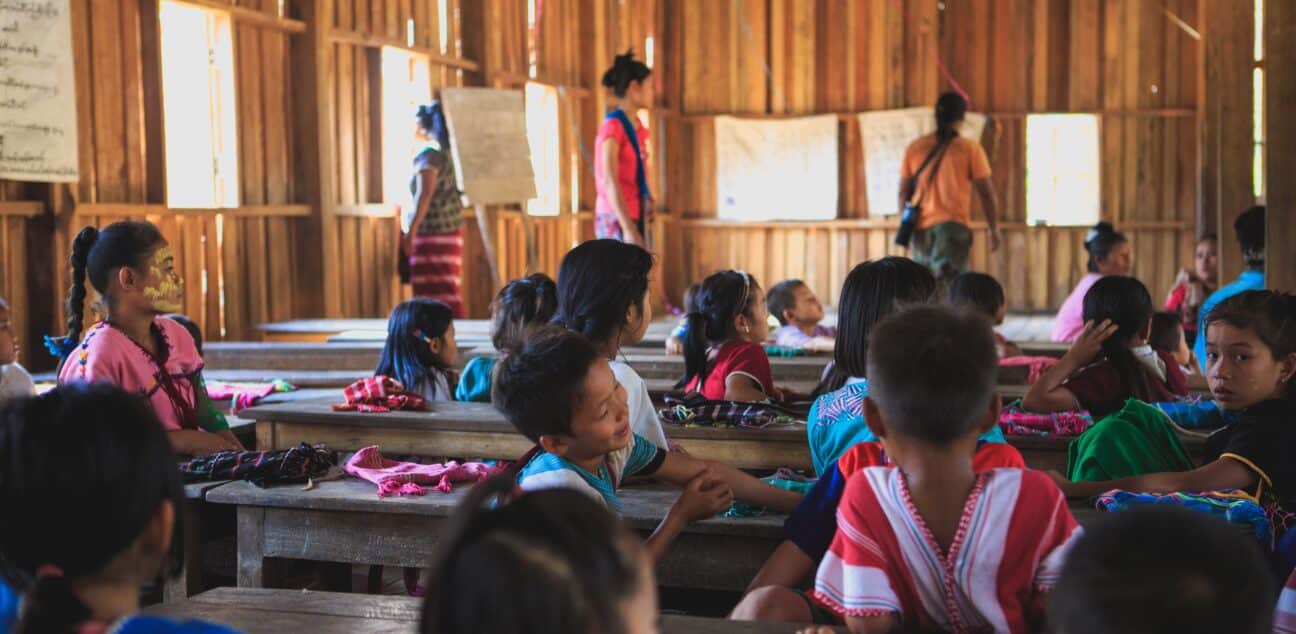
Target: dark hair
{"x":522,"y":303}
{"x":77,"y":455}
{"x":194,"y":330}
{"x":781,"y":297}
{"x":598,"y":282}
{"x":1208,"y":237}
{"x":1162,"y":568}
{"x":722,"y":297}
{"x":564,"y":563}
{"x":950,"y":109}
{"x":690,"y":297}
{"x":406,"y":356}
{"x":977,"y":290}
{"x":625,"y":69}
{"x":1250,"y":229}
{"x":1100,"y":241}
{"x":99,"y":254}
{"x":872,"y":291}
{"x":1126,"y":302}
{"x":537,"y":384}
{"x":1271,"y":314}
{"x":932,"y":370}
{"x":432,"y":120}
{"x":1167,"y":329}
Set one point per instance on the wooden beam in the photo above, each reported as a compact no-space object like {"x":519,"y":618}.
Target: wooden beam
{"x":252,"y":16}
{"x":24,"y":208}
{"x":367,"y":210}
{"x":138,"y":210}
{"x":377,"y":41}
{"x":1148,"y":113}
{"x":1280,"y":145}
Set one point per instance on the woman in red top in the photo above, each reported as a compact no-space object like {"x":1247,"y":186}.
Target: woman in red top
{"x":1192,"y":287}
{"x":620,"y":168}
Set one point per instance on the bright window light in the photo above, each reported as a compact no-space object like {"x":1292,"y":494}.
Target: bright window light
{"x":406,"y":85}
{"x":1062,"y":169}
{"x":543,"y":137}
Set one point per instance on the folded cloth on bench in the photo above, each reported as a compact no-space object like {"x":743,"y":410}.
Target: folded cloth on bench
{"x":695,"y":410}
{"x":1197,"y":413}
{"x":1015,"y":421}
{"x":262,"y":468}
{"x":1230,"y":505}
{"x":379,"y":394}
{"x":245,"y":395}
{"x":1035,"y":365}
{"x":404,"y":478}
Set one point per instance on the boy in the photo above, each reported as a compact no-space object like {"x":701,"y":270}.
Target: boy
{"x":983,"y":293}
{"x":799,"y":312}
{"x":1162,"y":568}
{"x":557,"y":390}
{"x":14,"y":380}
{"x":929,"y":543}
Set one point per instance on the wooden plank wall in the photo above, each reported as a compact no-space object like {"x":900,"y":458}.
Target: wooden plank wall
{"x":1121,"y":59}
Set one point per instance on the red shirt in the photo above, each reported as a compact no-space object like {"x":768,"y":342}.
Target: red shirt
{"x":735,"y":357}
{"x":626,"y":167}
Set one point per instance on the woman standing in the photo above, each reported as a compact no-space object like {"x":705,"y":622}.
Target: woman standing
{"x":624,"y":204}
{"x":432,"y":228}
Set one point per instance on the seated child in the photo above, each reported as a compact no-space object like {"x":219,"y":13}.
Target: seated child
{"x":521,"y":303}
{"x":724,"y":355}
{"x":675,"y":341}
{"x":929,"y":543}
{"x":558,"y":390}
{"x":1110,"y":361}
{"x":14,"y":380}
{"x":563,"y":561}
{"x":1167,"y":335}
{"x":421,"y":351}
{"x":983,"y":293}
{"x":1162,"y":568}
{"x":91,"y":498}
{"x":799,"y":312}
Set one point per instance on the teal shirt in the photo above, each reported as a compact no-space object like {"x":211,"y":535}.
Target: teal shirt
{"x":475,"y":382}
{"x":1250,"y":280}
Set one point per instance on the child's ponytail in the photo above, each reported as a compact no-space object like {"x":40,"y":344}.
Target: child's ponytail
{"x":695,"y":349}
{"x":78,"y":260}
{"x":51,"y":606}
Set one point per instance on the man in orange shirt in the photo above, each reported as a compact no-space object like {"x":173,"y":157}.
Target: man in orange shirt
{"x":943,"y":192}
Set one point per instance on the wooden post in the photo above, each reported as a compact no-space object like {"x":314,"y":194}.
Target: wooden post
{"x":1280,"y":145}
{"x":485,"y":221}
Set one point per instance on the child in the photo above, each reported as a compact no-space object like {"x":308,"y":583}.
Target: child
{"x":421,"y":351}
{"x":799,"y":312}
{"x":1111,"y":360}
{"x":521,"y":303}
{"x":603,"y":294}
{"x":135,"y":347}
{"x":983,"y":293}
{"x":1192,"y":287}
{"x":1162,"y":568}
{"x":675,"y":340}
{"x":92,"y":498}
{"x":929,"y":543}
{"x":1167,"y":335}
{"x":724,"y":355}
{"x":1250,"y":361}
{"x":563,"y":561}
{"x":558,"y":390}
{"x":14,"y":380}
{"x":1250,"y":229}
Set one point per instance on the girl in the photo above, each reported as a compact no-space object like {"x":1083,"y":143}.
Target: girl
{"x":432,"y":226}
{"x":724,"y":358}
{"x":421,"y":351}
{"x":1111,"y":361}
{"x":565,"y":564}
{"x":603,"y":294}
{"x":624,"y":203}
{"x":83,"y":455}
{"x":529,"y":300}
{"x":1192,"y":287}
{"x":1109,"y":254}
{"x":135,"y":347}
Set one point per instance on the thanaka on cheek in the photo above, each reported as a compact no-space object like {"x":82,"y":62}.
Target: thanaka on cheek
{"x":167,"y":289}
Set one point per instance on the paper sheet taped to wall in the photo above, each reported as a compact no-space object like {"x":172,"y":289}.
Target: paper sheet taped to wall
{"x":776,"y":169}
{"x":489,"y":143}
{"x":884,"y":135}
{"x":38,"y":120}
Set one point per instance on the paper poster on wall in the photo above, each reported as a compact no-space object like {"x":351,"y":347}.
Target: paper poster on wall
{"x":776,"y":169}
{"x":489,"y":143}
{"x":884,"y":135}
{"x":38,"y":123}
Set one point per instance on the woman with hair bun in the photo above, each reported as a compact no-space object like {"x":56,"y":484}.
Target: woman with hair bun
{"x":432,"y":226}
{"x":620,"y":168}
{"x":1110,"y":253}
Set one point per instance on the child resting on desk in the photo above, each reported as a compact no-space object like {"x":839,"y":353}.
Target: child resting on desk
{"x":799,"y":312}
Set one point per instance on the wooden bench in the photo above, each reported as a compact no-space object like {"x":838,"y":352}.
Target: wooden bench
{"x":346,"y":522}
{"x":321,"y":330}
{"x":261,"y":610}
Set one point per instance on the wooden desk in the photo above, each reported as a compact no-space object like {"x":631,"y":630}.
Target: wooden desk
{"x":259,"y":610}
{"x":345,"y":521}
{"x":321,"y":330}
{"x":189,"y":580}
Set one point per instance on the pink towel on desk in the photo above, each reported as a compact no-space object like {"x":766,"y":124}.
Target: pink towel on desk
{"x":404,"y":478}
{"x":1036,"y":365}
{"x":245,"y":395}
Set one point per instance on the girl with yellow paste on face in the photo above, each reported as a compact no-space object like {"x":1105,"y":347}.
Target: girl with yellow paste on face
{"x":135,"y":348}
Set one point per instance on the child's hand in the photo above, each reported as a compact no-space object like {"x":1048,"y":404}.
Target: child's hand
{"x":1060,"y":480}
{"x":1087,"y":346}
{"x":208,"y":442}
{"x":704,"y":497}
{"x":674,"y":346}
{"x":779,"y":394}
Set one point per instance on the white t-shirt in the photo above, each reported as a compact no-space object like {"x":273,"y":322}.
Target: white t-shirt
{"x":643,"y":416}
{"x":436,"y":390}
{"x":15,"y":382}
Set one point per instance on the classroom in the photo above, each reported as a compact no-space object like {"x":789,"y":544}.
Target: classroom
{"x":695,"y":316}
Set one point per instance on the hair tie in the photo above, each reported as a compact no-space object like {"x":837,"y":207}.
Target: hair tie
{"x":59,"y":347}
{"x":49,"y":571}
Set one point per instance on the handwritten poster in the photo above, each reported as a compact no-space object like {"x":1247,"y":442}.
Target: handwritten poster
{"x":776,"y":169}
{"x":38,"y":133}
{"x":489,"y":143}
{"x":884,"y":136}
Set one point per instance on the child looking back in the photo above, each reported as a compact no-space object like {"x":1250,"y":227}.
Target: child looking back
{"x":421,"y":351}
{"x":521,"y":303}
{"x":558,"y":390}
{"x":724,"y":355}
{"x":929,"y":543}
{"x":984,"y":294}
{"x":14,"y":380}
{"x":799,"y":312}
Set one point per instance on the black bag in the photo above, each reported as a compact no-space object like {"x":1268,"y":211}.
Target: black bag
{"x":912,"y":210}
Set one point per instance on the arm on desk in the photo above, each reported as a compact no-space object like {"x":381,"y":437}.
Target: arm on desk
{"x":680,"y":469}
{"x":1223,"y":473}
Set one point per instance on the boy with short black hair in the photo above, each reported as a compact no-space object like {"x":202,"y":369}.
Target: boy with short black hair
{"x":984,"y":294}
{"x":799,"y":312}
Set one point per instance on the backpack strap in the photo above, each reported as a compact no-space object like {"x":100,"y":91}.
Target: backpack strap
{"x":641,"y":175}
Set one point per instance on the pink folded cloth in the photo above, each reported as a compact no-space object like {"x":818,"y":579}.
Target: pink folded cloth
{"x":1036,"y":365}
{"x":245,"y":395}
{"x":404,"y":478}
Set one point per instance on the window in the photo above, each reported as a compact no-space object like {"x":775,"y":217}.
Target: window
{"x":406,"y":85}
{"x":1258,"y":109}
{"x":543,"y":137}
{"x":1062,"y":169}
{"x":198,"y":107}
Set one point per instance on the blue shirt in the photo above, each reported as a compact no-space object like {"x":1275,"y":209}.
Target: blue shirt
{"x":8,"y":607}
{"x":1250,"y":280}
{"x":548,"y":471}
{"x":475,"y":382}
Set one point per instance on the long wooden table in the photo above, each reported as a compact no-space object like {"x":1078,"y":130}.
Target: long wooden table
{"x":321,"y":330}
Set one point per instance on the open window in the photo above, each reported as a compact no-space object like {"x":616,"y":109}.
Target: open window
{"x":544,"y":138}
{"x":1258,"y":109}
{"x":1062,"y":169}
{"x":406,"y":85}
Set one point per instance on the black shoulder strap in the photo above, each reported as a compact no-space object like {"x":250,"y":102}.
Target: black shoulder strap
{"x":936,"y":149}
